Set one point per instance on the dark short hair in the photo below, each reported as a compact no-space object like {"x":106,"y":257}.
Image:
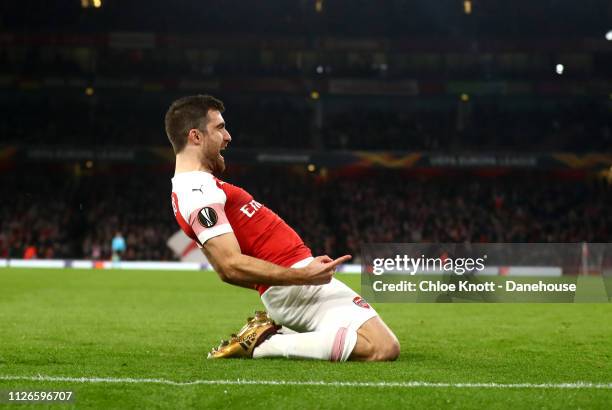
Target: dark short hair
{"x":188,"y":113}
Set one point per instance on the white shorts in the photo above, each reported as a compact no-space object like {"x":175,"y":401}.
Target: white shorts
{"x":311,"y":308}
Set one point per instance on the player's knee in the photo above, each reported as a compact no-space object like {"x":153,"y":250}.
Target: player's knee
{"x":387,"y":351}
{"x":384,"y":350}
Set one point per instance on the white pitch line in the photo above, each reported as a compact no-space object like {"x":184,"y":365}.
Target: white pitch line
{"x":240,"y":382}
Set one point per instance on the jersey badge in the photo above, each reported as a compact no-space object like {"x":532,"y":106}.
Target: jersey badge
{"x":359,"y":301}
{"x":207,"y":217}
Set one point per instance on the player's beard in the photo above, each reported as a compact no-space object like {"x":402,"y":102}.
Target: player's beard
{"x":214,"y":160}
{"x":220,"y":164}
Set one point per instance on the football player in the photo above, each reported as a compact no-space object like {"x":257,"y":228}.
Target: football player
{"x":249,"y":245}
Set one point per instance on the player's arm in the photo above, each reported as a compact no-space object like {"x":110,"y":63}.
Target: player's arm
{"x":223,"y":252}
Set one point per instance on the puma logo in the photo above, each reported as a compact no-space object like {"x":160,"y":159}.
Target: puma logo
{"x":201,"y":189}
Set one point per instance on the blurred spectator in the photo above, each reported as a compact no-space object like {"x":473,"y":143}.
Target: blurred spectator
{"x":118,"y":246}
{"x":30,"y":252}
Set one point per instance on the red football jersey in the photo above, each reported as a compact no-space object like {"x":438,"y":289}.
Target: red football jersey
{"x":205,"y":207}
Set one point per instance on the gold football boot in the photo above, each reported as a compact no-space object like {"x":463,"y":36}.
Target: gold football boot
{"x":257,"y":329}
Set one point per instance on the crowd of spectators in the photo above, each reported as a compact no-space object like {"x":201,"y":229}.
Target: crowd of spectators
{"x":35,"y":222}
{"x":339,"y":215}
{"x":77,"y":217}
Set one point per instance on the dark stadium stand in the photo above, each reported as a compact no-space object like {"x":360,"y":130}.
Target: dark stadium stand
{"x":401,"y":76}
{"x":280,"y":122}
{"x":76,"y":217}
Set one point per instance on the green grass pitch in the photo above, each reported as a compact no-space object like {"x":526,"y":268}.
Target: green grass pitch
{"x":146,"y":324}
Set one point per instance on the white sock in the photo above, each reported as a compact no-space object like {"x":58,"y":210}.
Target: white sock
{"x":334,"y":345}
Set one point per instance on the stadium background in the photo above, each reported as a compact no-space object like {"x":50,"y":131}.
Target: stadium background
{"x":84,"y":91}
{"x":356,"y":121}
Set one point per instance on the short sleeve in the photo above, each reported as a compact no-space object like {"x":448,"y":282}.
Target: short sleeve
{"x":209,"y":221}
{"x":204,"y":209}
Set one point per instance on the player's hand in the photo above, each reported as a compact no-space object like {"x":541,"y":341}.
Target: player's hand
{"x":321,"y":270}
